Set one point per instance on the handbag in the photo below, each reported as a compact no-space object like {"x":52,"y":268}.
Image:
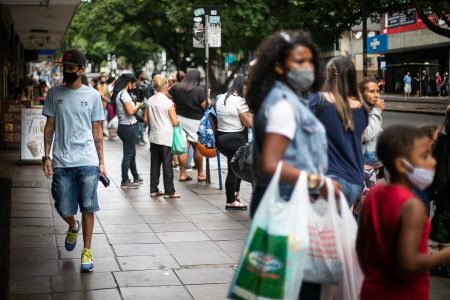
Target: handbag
{"x":242,"y":163}
{"x":271,"y":264}
{"x":178,"y":141}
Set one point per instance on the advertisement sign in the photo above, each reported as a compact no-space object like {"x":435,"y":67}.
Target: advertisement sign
{"x":32,"y":134}
{"x":214,"y":26}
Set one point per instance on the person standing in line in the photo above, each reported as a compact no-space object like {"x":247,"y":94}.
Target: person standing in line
{"x":445,"y":87}
{"x":392,"y":240}
{"x":190,"y":104}
{"x":102,"y":88}
{"x":371,"y":95}
{"x":345,"y":117}
{"x":74,"y":122}
{"x":425,"y":80}
{"x":125,"y":109}
{"x":416,"y":84}
{"x":438,"y":83}
{"x":407,"y":80}
{"x":161,"y":117}
{"x":288,"y":66}
{"x":233,"y":116}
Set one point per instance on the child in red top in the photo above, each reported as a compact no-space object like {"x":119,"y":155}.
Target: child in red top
{"x":392,"y":242}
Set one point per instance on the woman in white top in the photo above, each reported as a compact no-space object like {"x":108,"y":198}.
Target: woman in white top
{"x":125,"y":109}
{"x":233,"y":116}
{"x":161,"y":117}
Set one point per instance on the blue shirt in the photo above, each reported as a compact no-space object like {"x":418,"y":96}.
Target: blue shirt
{"x":345,"y":155}
{"x":74,"y":110}
{"x":407,"y":79}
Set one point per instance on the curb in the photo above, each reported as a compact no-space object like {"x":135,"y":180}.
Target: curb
{"x":420,"y":101}
{"x":412,"y":111}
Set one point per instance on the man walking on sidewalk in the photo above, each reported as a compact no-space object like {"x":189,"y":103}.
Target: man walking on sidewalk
{"x":74,"y":121}
{"x":407,"y":80}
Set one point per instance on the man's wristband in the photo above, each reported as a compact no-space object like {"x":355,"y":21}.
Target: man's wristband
{"x":44,"y":158}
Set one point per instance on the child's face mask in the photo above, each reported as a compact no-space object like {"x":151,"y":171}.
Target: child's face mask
{"x":421,"y":178}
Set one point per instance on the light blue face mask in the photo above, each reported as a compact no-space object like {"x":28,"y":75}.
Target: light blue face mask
{"x":301,"y":80}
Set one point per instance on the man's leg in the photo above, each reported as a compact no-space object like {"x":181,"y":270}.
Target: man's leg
{"x":88,"y":228}
{"x":165,"y":152}
{"x":155,"y":167}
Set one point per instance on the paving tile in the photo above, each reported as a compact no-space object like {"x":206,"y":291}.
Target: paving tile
{"x":209,"y":291}
{"x":103,"y":294}
{"x":227,"y":235}
{"x":41,"y":222}
{"x":29,"y":285}
{"x":166,"y":211}
{"x":96,"y":239}
{"x":33,"y":241}
{"x":117,"y":212}
{"x":157,"y":293}
{"x":30,"y":214}
{"x":152,"y":204}
{"x":146,"y":278}
{"x":115,"y":205}
{"x":140,"y":249}
{"x":439,"y":294}
{"x":98,"y":250}
{"x":219,"y":225}
{"x":209,"y":217}
{"x":198,"y":253}
{"x":239,"y":215}
{"x":36,"y":268}
{"x":31,"y":207}
{"x":31,"y":297}
{"x":33,"y":254}
{"x":133,"y":228}
{"x":205,"y":275}
{"x":165,"y":219}
{"x":121,"y":220}
{"x":133,"y":238}
{"x":195,"y":210}
{"x":82,"y":281}
{"x":101,"y":264}
{"x":186,"y":236}
{"x":30,"y":231}
{"x":173,"y":227}
{"x":152,"y":262}
{"x":231,"y":246}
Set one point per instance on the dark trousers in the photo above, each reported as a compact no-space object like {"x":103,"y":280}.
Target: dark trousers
{"x":161,"y":155}
{"x":228,"y":143}
{"x":128,"y":135}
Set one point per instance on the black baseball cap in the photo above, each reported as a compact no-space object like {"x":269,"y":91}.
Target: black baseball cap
{"x":74,"y":57}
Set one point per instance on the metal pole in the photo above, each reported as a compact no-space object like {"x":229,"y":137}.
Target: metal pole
{"x":364,"y":23}
{"x":208,"y":172}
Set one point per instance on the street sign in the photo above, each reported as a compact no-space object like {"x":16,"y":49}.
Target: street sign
{"x":377,"y":44}
{"x":214,"y":26}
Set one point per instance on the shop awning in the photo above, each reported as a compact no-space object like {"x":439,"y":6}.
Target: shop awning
{"x":41,"y":24}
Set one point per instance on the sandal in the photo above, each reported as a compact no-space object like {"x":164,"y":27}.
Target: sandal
{"x":189,"y":178}
{"x":200,"y":179}
{"x":173,"y":196}
{"x":236,"y":205}
{"x":156,"y":194}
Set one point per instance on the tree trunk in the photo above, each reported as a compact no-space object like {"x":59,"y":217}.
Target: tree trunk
{"x":430,"y":25}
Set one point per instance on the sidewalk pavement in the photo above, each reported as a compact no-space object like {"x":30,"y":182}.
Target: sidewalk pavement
{"x":143,"y":248}
{"x":420,"y":105}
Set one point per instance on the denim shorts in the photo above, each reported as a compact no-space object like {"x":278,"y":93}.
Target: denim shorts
{"x":350,"y":190}
{"x":75,"y":186}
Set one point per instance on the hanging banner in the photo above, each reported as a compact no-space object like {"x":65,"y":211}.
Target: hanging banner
{"x":32,"y":134}
{"x":214,"y":29}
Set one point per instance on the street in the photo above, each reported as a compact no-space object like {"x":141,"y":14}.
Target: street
{"x":390,"y":118}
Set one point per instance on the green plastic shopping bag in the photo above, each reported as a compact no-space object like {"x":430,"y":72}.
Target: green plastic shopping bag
{"x":271,"y":264}
{"x":178,"y":141}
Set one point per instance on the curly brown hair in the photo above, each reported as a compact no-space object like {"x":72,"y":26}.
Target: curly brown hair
{"x":275,"y":49}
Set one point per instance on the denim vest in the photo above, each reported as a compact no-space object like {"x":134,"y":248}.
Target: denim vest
{"x":307,"y":151}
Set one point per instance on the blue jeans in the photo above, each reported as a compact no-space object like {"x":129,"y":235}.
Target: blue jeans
{"x":75,"y":186}
{"x":350,"y":190}
{"x":140,"y":131}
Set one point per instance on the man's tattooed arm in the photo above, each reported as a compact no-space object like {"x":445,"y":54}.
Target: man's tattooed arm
{"x":49,"y":131}
{"x":97,"y":133}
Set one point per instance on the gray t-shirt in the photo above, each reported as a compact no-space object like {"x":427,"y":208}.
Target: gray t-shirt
{"x":74,"y":110}
{"x":124,"y":118}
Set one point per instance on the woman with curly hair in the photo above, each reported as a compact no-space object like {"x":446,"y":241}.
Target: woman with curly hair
{"x":288,"y":67}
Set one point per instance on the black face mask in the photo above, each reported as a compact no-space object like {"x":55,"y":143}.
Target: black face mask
{"x":70,"y":77}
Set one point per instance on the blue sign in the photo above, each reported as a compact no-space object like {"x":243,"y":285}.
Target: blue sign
{"x":377,"y":44}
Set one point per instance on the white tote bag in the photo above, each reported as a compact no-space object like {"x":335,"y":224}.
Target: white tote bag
{"x":271,"y":264}
{"x":349,"y":287}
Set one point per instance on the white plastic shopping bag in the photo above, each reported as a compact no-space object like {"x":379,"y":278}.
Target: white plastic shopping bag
{"x":349,"y":287}
{"x":271,"y":265}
